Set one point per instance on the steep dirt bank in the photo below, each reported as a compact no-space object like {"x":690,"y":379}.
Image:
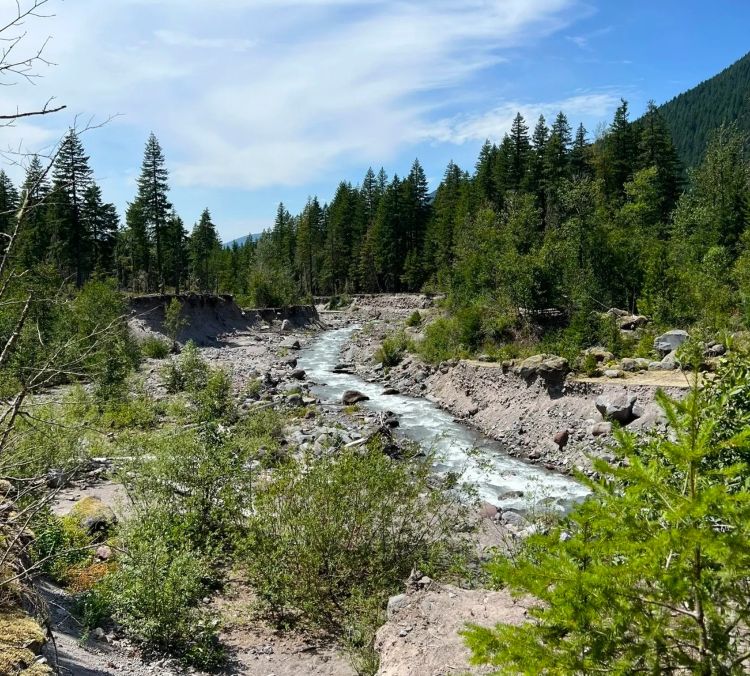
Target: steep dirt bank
{"x":210,"y":318}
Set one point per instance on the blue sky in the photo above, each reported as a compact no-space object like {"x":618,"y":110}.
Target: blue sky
{"x":261,"y":101}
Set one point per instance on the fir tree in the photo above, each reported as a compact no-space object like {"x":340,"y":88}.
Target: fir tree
{"x":519,"y":161}
{"x":72,"y":238}
{"x":154,"y":205}
{"x":204,"y":242}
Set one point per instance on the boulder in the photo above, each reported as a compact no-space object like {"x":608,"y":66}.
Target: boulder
{"x":600,"y":354}
{"x":629,"y":365}
{"x":600,"y":429}
{"x":56,"y":478}
{"x":561,"y":438}
{"x":642,"y":363}
{"x":298,"y":374}
{"x":351,"y":397}
{"x":670,"y":363}
{"x":294,"y":400}
{"x":487,"y":510}
{"x":546,"y":366}
{"x":714,"y":350}
{"x":670,"y":341}
{"x":390,"y":391}
{"x":632,"y":322}
{"x":291,"y":363}
{"x":618,"y":407}
{"x":93,"y":516}
{"x":617,"y":312}
{"x":613,"y":373}
{"x":286,"y":326}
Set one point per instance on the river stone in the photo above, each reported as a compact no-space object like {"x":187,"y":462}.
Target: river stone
{"x":286,"y":326}
{"x":487,"y":510}
{"x":291,"y":363}
{"x":391,"y":391}
{"x":514,"y":519}
{"x":613,"y":373}
{"x":628,"y":365}
{"x":670,"y":341}
{"x":600,"y":429}
{"x":298,"y":374}
{"x":351,"y":397}
{"x":617,"y":407}
{"x":715,"y":350}
{"x":294,"y":400}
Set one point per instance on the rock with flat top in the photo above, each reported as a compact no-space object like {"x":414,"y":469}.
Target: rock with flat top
{"x":670,"y":341}
{"x":351,"y":397}
{"x":618,"y":407}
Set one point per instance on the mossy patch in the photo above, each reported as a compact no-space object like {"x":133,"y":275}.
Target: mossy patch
{"x":21,"y":639}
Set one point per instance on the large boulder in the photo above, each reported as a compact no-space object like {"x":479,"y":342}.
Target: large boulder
{"x":93,"y":516}
{"x":351,"y":397}
{"x":618,"y":407}
{"x":599,"y":353}
{"x":670,"y":341}
{"x":546,"y":366}
{"x":632,"y":322}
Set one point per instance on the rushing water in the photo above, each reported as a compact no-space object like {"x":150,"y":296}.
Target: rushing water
{"x":481,"y":460}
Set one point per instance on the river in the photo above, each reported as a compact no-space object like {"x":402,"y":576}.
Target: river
{"x":498,"y":478}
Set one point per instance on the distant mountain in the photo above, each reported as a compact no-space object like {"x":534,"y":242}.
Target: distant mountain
{"x":692,"y":115}
{"x":241,"y":240}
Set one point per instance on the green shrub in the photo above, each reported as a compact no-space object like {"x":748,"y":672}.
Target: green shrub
{"x":155,"y":348}
{"x":156,"y":592}
{"x":330,"y":531}
{"x":189,"y":371}
{"x":392,"y":349}
{"x":414,"y":320}
{"x":214,"y":401}
{"x":59,"y":545}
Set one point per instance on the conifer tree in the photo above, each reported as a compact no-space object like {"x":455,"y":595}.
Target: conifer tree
{"x":657,"y":150}
{"x":176,"y":256}
{"x":309,"y":246}
{"x":154,"y":205}
{"x":71,"y":236}
{"x":8,"y":209}
{"x":484,"y":174}
{"x":101,"y":221}
{"x":521,"y":146}
{"x":34,"y":229}
{"x":579,"y":154}
{"x":204,"y":243}
{"x":620,"y":152}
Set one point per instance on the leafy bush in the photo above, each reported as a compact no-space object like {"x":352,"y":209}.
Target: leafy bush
{"x":650,"y":573}
{"x":189,"y":371}
{"x":214,"y":402}
{"x":414,"y":320}
{"x":60,"y":544}
{"x":157,"y":590}
{"x":328,"y":532}
{"x":391,"y":350}
{"x":155,"y":348}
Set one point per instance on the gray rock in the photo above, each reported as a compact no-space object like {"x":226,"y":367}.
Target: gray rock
{"x":617,"y":407}
{"x":629,"y":365}
{"x":632,"y":322}
{"x":56,"y":479}
{"x":715,"y":350}
{"x":298,"y":374}
{"x":600,"y":429}
{"x":547,"y":366}
{"x":599,"y":353}
{"x":294,"y":400}
{"x":351,"y":397}
{"x":613,"y":373}
{"x":286,"y":326}
{"x":670,"y":341}
{"x":513,"y":518}
{"x":391,"y":391}
{"x":396,"y":603}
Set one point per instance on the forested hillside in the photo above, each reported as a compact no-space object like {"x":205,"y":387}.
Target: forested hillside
{"x":694,"y":114}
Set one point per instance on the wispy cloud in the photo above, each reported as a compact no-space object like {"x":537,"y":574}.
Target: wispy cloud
{"x":494,"y":123}
{"x":257,"y":93}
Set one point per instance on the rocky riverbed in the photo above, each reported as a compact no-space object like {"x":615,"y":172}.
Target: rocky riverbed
{"x":523,"y":420}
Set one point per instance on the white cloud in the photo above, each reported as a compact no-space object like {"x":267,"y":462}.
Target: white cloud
{"x":494,"y":123}
{"x":257,"y":93}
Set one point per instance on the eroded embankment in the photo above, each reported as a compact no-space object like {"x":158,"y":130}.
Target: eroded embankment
{"x":208,"y":317}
